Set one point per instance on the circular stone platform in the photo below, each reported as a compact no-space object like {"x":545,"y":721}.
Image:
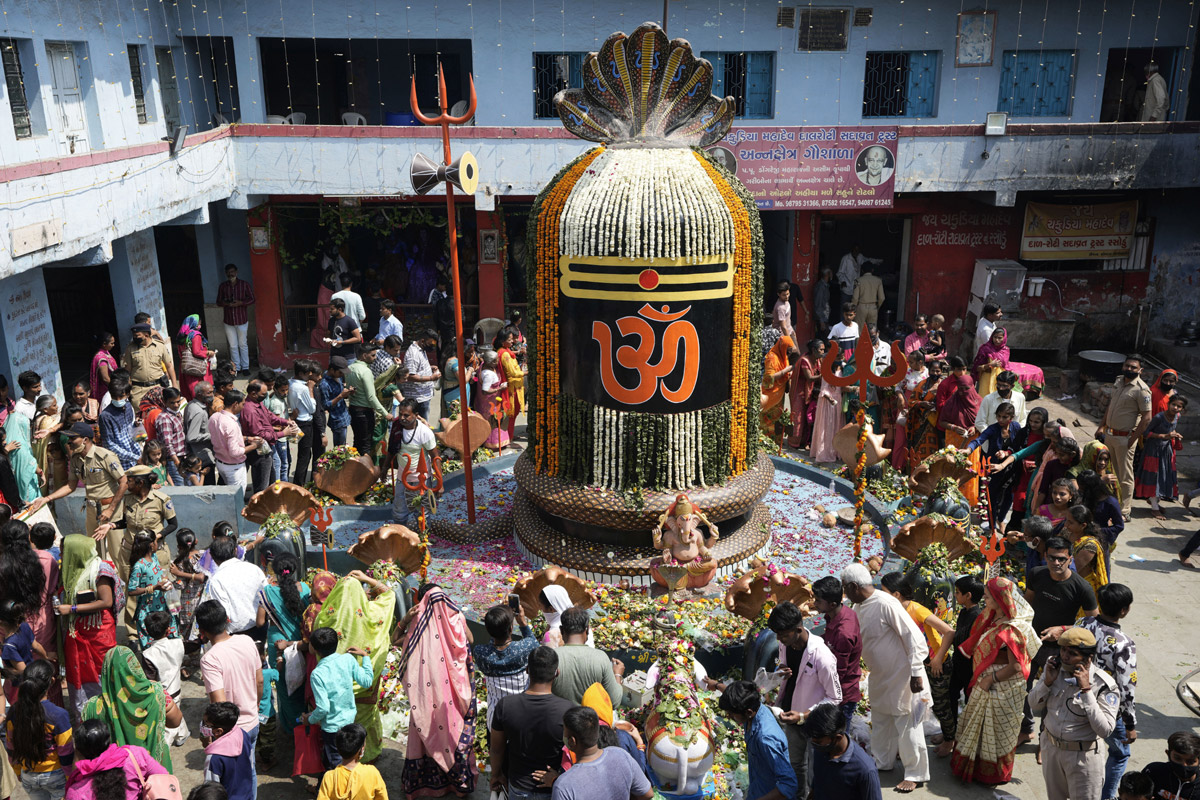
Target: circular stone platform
{"x":588,"y":506}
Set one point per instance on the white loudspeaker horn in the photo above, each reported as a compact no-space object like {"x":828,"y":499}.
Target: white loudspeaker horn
{"x":463,"y":173}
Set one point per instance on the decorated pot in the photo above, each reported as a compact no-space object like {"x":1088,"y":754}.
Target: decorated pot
{"x":680,"y":769}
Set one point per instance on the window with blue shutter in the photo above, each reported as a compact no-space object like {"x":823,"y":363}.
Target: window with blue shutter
{"x":14,"y":80}
{"x":1036,"y":83}
{"x":553,"y":72}
{"x":900,"y":83}
{"x":749,"y":78}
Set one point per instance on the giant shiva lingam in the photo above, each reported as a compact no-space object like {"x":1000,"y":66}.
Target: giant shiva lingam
{"x":645,"y":358}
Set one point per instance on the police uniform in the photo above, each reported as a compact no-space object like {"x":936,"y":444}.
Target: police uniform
{"x":1076,"y":725}
{"x":1130,"y":404}
{"x":146,"y":365}
{"x":149,"y":513}
{"x":101,"y":473}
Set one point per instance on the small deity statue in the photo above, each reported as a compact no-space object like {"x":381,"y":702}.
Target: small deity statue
{"x":682,"y":541}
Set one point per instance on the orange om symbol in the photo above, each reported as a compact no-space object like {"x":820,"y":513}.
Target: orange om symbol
{"x":650,"y":376}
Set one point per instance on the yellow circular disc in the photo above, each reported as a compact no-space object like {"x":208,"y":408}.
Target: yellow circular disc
{"x":468,"y":173}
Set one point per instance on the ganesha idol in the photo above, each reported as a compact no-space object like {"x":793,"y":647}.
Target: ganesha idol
{"x":679,"y":538}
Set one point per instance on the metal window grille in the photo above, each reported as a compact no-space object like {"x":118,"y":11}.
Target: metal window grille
{"x":553,"y":72}
{"x":823,"y":29}
{"x":1037,"y":84}
{"x":785,"y":17}
{"x":900,"y":84}
{"x":1139,"y":254}
{"x":14,"y":79}
{"x":749,"y":78}
{"x":863,"y":17}
{"x":139,"y":90}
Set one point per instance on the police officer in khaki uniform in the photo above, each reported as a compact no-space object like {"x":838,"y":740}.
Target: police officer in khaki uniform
{"x":1124,"y":422}
{"x":1080,"y":701}
{"x":103,"y":479}
{"x":145,"y":509}
{"x":148,"y":361}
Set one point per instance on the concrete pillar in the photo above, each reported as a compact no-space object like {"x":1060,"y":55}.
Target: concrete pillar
{"x":136,"y":284}
{"x":247,"y":64}
{"x":208,"y":252}
{"x":27,"y":333}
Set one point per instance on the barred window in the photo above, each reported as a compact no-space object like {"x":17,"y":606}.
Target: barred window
{"x":900,"y":84}
{"x":14,"y":80}
{"x":1037,"y":83}
{"x":139,"y":90}
{"x":749,"y":78}
{"x":553,"y":72}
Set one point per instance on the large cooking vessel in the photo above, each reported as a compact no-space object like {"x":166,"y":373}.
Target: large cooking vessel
{"x":1100,"y":365}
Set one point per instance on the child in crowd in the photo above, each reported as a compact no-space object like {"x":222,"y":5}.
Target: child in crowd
{"x":19,"y":646}
{"x":1062,"y":496}
{"x":223,"y":530}
{"x":1157,"y":479}
{"x":1178,"y":776}
{"x":332,"y":683}
{"x":277,"y":403}
{"x":936,"y":346}
{"x":264,"y":747}
{"x":502,"y":661}
{"x":1135,"y":786}
{"x":209,"y":790}
{"x":165,"y":651}
{"x":1001,"y":438}
{"x":193,"y":471}
{"x":968,"y":594}
{"x":152,"y":456}
{"x":351,"y":780}
{"x":42,"y":536}
{"x":227,"y":751}
{"x":148,"y":583}
{"x":39,"y":735}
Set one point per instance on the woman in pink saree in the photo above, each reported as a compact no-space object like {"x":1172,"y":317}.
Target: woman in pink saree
{"x":437,"y":668}
{"x":990,"y":361}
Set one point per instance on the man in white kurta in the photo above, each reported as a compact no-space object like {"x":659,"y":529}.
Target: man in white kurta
{"x":895,"y":652}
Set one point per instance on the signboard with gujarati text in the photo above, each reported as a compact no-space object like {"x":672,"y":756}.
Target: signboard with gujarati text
{"x":1054,"y":232}
{"x":826,"y":167}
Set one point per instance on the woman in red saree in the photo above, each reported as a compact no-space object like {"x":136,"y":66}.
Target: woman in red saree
{"x":91,"y":590}
{"x":957,"y":404}
{"x":437,"y":668}
{"x":806,"y":379}
{"x":1001,"y":646}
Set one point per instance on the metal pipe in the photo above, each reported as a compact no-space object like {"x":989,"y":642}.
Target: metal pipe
{"x":1060,"y":298}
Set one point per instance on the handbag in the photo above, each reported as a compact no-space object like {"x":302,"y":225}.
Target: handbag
{"x":307,"y":741}
{"x":190,"y":364}
{"x":156,"y":787}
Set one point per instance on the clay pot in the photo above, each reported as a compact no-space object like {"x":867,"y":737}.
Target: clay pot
{"x":451,"y":434}
{"x":293,"y":500}
{"x":750,"y":592}
{"x":528,"y":588}
{"x":394,"y":543}
{"x":925,"y":476}
{"x":925,"y":531}
{"x":680,"y":770}
{"x":349,"y":480}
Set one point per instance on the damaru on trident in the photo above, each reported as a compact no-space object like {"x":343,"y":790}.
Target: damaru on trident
{"x":646,"y":295}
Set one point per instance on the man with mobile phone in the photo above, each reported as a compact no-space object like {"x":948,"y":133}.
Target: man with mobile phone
{"x":1080,"y":701}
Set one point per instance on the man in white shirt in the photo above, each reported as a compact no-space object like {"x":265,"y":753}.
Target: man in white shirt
{"x":845,"y":333}
{"x":1155,"y":107}
{"x":30,"y":384}
{"x":883,"y":350}
{"x":389,"y":323}
{"x":894,"y":651}
{"x":352,"y":299}
{"x":301,"y":407}
{"x":1004,"y":393}
{"x":987,"y":324}
{"x":850,"y":268}
{"x":413,"y":436}
{"x":234,"y":585}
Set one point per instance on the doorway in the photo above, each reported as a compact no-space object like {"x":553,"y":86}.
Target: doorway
{"x":879,"y":237}
{"x":179,"y":272}
{"x":1125,"y":81}
{"x":67,"y":94}
{"x":81,"y":307}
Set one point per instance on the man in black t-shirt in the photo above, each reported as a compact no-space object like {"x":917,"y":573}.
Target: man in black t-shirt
{"x":1057,"y":595}
{"x":344,"y":332}
{"x":527,"y":730}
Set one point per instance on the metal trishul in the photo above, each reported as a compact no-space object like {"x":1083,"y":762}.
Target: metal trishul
{"x":321,"y":518}
{"x":864,"y":362}
{"x":416,"y":478}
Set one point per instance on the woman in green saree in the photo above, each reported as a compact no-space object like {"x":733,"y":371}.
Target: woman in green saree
{"x":281,"y":606}
{"x":365,"y":621}
{"x":24,"y":465}
{"x":136,"y":708}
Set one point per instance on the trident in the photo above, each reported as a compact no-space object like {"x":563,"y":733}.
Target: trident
{"x":416,"y":479}
{"x":464,"y":173}
{"x":864,"y":361}
{"x":992,"y":546}
{"x":321,"y":518}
